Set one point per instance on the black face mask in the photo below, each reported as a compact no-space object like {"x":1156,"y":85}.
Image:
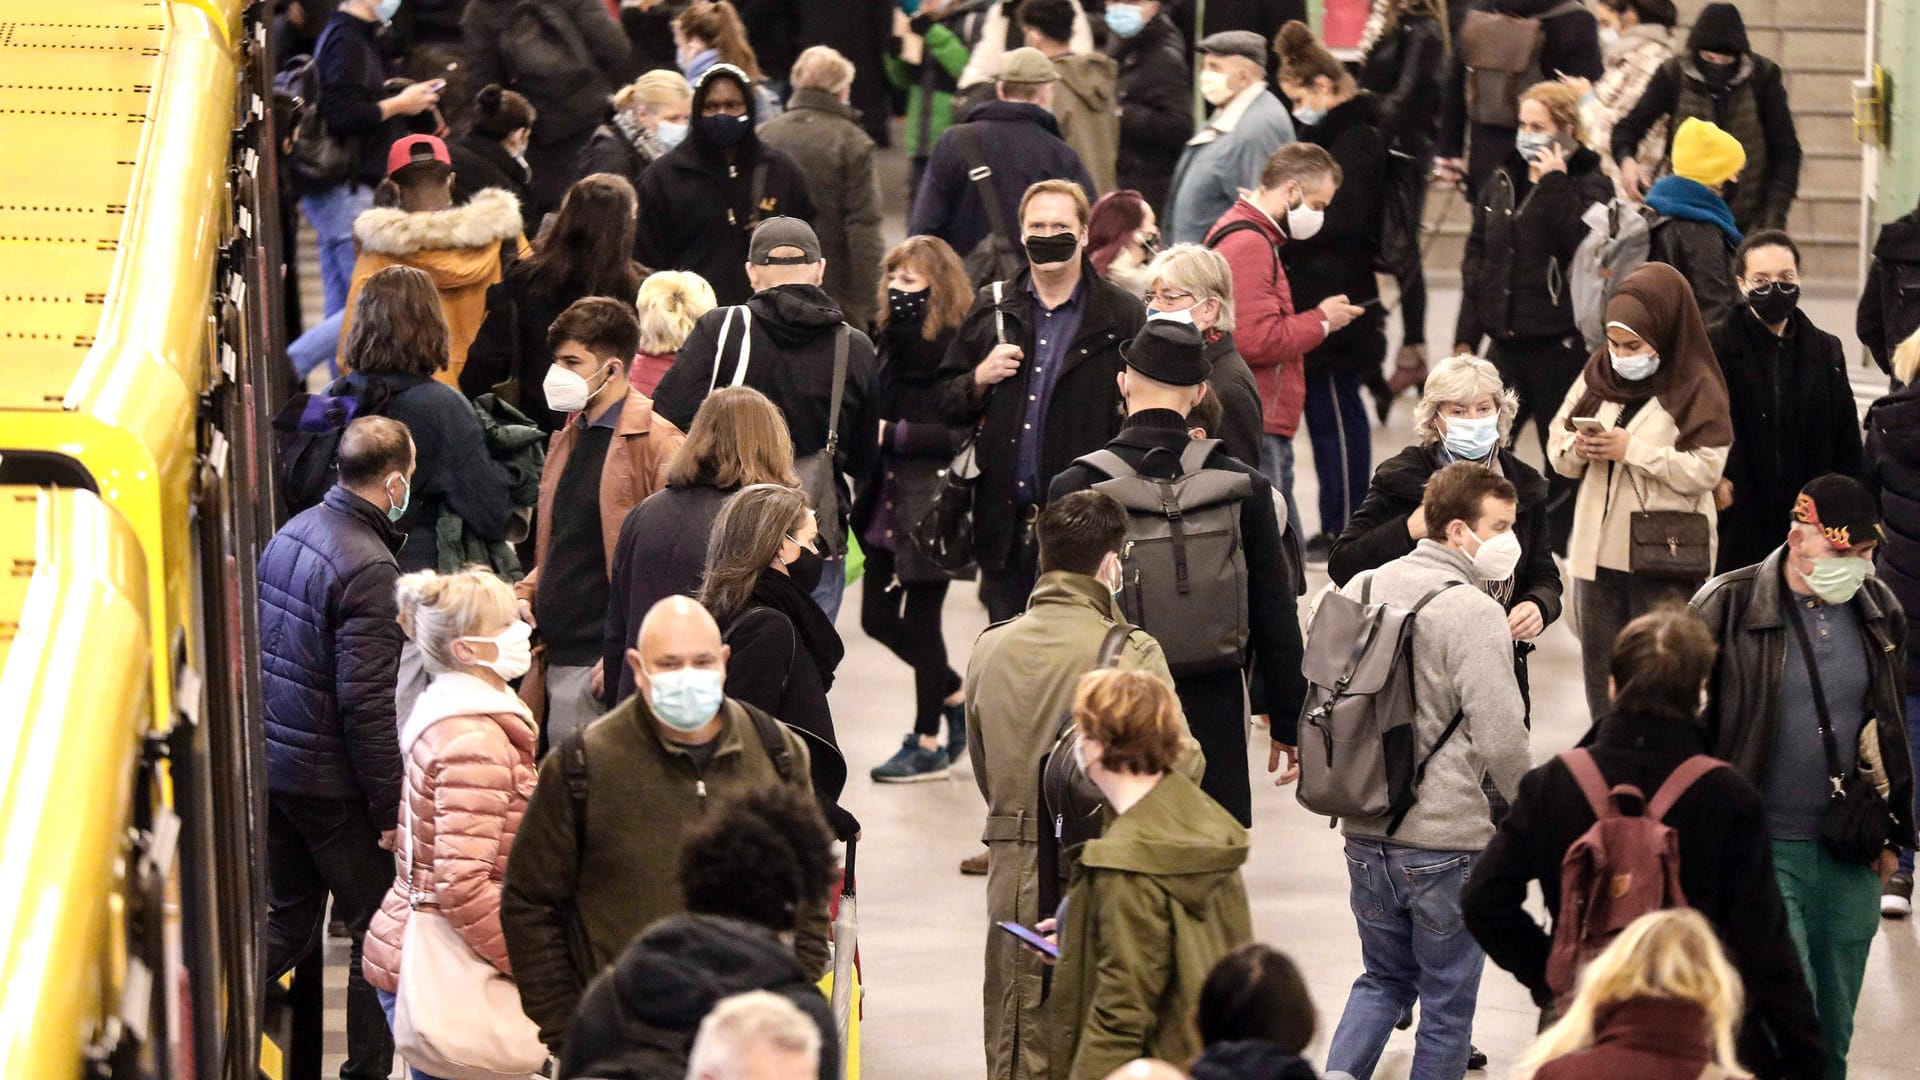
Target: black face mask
{"x":1047,"y":250}
{"x":1717,"y":74}
{"x":805,"y":570}
{"x":724,"y":131}
{"x":905,"y":308}
{"x":1774,"y":303}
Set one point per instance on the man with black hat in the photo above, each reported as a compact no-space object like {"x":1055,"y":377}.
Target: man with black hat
{"x":1806,"y":701}
{"x":1165,"y":377}
{"x":1226,"y":155}
{"x":782,"y":343}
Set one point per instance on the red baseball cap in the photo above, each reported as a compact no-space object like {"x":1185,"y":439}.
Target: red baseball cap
{"x":416,"y":148}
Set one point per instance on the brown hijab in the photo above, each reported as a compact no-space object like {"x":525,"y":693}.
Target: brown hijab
{"x":1657,"y":303}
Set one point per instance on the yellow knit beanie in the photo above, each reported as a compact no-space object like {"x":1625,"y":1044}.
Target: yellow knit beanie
{"x":1704,"y":153}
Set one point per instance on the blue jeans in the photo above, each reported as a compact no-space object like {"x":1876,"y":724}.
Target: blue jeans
{"x":386,"y":1002}
{"x":1342,"y":438}
{"x":1276,"y":461}
{"x":1415,"y":945}
{"x":319,"y":345}
{"x":833,"y":586}
{"x":1913,"y":741}
{"x":331,"y":213}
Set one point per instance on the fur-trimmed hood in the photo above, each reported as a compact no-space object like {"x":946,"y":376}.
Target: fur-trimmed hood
{"x":491,"y":216}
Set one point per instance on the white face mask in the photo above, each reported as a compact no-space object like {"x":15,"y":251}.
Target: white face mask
{"x":1304,"y":222}
{"x":513,"y":651}
{"x":1635,"y":366}
{"x":1495,"y":559}
{"x":1213,"y":87}
{"x":566,"y":392}
{"x":1185,"y":315}
{"x":1609,"y":38}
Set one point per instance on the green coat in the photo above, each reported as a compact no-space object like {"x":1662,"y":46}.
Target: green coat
{"x":1155,"y":903}
{"x":950,"y":53}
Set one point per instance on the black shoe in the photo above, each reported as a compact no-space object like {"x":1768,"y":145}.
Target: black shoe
{"x":1319,"y":549}
{"x":956,"y":716}
{"x":1476,"y":1059}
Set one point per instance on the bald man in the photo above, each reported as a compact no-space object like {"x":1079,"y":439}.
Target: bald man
{"x":597,"y":853}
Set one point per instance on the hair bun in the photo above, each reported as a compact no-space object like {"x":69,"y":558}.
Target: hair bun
{"x":490,"y":97}
{"x":1296,"y":40}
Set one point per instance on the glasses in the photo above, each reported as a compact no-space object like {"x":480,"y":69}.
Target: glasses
{"x":1165,"y":298}
{"x":1761,"y":281}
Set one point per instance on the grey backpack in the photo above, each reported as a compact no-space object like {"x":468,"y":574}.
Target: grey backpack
{"x":1357,"y":733}
{"x":1619,"y":241}
{"x":1184,"y":572}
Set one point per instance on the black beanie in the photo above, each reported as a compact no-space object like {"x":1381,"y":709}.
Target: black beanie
{"x":1719,"y":29}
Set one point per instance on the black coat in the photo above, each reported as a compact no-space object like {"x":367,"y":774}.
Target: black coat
{"x":608,"y":150}
{"x":1155,"y":87}
{"x":915,"y":446}
{"x":1793,"y":419}
{"x":1377,"y":534}
{"x":1340,"y":257}
{"x":1086,"y":407}
{"x":1890,"y":307}
{"x":512,"y":340}
{"x":1403,"y":72}
{"x":480,"y":163}
{"x":1233,"y":383}
{"x":637,"y":1020}
{"x":1523,"y":239}
{"x":1726,"y":871}
{"x":1892,"y":472}
{"x":662,"y":552}
{"x":784,"y":653}
{"x":352,"y":74}
{"x":1020,"y":142}
{"x":484,"y":24}
{"x":1704,"y":256}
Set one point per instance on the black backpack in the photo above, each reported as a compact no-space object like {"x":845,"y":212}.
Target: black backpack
{"x":1273,"y":276}
{"x":1070,"y":804}
{"x":316,"y":158}
{"x":306,"y":437}
{"x":998,"y":256}
{"x":543,"y":54}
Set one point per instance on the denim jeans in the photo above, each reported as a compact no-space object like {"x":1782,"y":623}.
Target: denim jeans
{"x":1415,"y":945}
{"x":386,"y":1002}
{"x":1913,"y":740}
{"x":1342,"y":438}
{"x":1276,"y":461}
{"x":331,"y":213}
{"x":319,"y":345}
{"x":832,"y":587}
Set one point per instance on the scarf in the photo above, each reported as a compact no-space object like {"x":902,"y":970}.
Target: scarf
{"x":646,"y":142}
{"x":1658,"y":303}
{"x":1376,"y":24}
{"x":822,"y":642}
{"x":1690,"y":200}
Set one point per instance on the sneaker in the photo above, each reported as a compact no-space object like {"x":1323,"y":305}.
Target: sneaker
{"x":956,"y":715}
{"x":1896,"y":900}
{"x":975,"y":865}
{"x":1319,"y":549}
{"x":912,"y":764}
{"x":1476,"y":1058}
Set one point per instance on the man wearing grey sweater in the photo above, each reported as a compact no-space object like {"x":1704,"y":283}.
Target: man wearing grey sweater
{"x":1406,"y":886}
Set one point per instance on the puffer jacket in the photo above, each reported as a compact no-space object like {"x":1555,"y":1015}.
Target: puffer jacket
{"x":1889,"y":310}
{"x":330,"y":654}
{"x":1523,"y":239}
{"x":1892,"y":473}
{"x":1087,"y":104}
{"x":470,"y":770}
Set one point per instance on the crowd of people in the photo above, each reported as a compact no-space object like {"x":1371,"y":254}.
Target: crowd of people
{"x":634,"y":391}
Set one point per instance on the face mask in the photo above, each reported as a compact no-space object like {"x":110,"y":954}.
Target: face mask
{"x":1774,"y":303}
{"x":1835,"y":580}
{"x":1635,"y":366}
{"x":1213,"y":87}
{"x":1496,"y":558}
{"x":399,"y":510}
{"x":1080,"y":755}
{"x":385,"y":10}
{"x":671,"y":134}
{"x":1125,"y":19}
{"x":1309,"y":115}
{"x":514,"y":651}
{"x":1609,"y":38}
{"x":1185,"y":315}
{"x":906,"y":307}
{"x":1052,"y":250}
{"x":1303,"y":222}
{"x":687,"y":699}
{"x":1717,"y":74}
{"x":1471,"y":439}
{"x":724,"y":131}
{"x":805,"y":569}
{"x":1532,"y":144}
{"x":566,"y":392}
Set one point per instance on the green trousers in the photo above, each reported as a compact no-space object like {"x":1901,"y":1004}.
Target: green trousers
{"x":1833,"y":909}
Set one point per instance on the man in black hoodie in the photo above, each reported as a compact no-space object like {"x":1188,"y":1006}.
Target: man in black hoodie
{"x":700,"y":202}
{"x":781,"y":343}
{"x":747,"y":872}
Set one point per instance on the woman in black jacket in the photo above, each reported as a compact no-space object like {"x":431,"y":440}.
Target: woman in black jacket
{"x":492,"y":153}
{"x":651,"y":116}
{"x":738,"y":438}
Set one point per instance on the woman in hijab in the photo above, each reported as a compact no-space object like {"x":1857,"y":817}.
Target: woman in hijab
{"x":1646,"y":427}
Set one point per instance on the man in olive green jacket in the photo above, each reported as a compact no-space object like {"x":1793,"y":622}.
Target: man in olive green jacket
{"x":1020,"y":685}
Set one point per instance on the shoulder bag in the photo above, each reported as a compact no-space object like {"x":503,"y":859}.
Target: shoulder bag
{"x":944,"y":535}
{"x":1671,"y":545}
{"x":1857,"y":823}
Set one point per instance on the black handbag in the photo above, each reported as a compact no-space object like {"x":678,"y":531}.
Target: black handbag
{"x":1399,"y":252}
{"x":1671,"y":545}
{"x":1857,"y":823}
{"x":944,"y":535}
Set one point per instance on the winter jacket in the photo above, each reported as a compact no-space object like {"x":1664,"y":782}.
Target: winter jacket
{"x":862,"y":32}
{"x":1085,"y":411}
{"x":1462,"y":663}
{"x":638,"y":1019}
{"x":1631,"y":64}
{"x":517,"y":445}
{"x":1022,"y":669}
{"x":1233,"y":383}
{"x":461,"y":248}
{"x":1020,"y":142}
{"x":1222,"y":158}
{"x":330,"y":653}
{"x":512,"y":342}
{"x":1793,"y":419}
{"x":997,"y":32}
{"x":453,"y":472}
{"x":608,"y":150}
{"x":824,"y":138}
{"x":1155,"y":903}
{"x":567,"y":913}
{"x":1644,"y":1037}
{"x":1743,"y":710}
{"x":1521,"y":247}
{"x":1251,"y":1059}
{"x":1272,"y":334}
{"x":607,"y":63}
{"x":1087,"y":105}
{"x":928,"y":82}
{"x":1403,"y":72}
{"x":1889,"y":310}
{"x":1726,"y":872}
{"x":1155,"y":89}
{"x":470,"y":767}
{"x":1892,"y":473}
{"x":1377,"y":534}
{"x":791,"y":361}
{"x":480,"y":163}
{"x":662,"y":552}
{"x":1697,"y":247}
{"x":352,"y":84}
{"x":1340,"y":257}
{"x":916,"y":446}
{"x":1752,"y":107}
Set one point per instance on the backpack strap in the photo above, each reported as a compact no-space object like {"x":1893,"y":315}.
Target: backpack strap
{"x":1194,"y":457}
{"x":1446,"y":734}
{"x":1273,"y":278}
{"x":1677,"y":783}
{"x":757,"y":190}
{"x":842,"y":341}
{"x":773,"y":739}
{"x":720,"y":346}
{"x":978,"y":171}
{"x":573,"y":769}
{"x":1108,"y":462}
{"x":1113,"y":644}
{"x":1586,"y":773}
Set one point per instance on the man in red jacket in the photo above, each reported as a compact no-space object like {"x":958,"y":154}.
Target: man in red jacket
{"x":1295,"y":187}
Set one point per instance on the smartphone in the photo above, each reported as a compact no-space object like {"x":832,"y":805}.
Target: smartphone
{"x":1376,"y":302}
{"x":439,"y":85}
{"x":1031,"y":939}
{"x":1587,"y":425}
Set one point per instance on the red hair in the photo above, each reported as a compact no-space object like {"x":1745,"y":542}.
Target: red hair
{"x":1116,"y":217}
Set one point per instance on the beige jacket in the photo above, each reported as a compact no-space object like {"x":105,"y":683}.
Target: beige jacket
{"x":1668,"y":478}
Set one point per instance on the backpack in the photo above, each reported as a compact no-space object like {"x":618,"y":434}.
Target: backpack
{"x":1068,"y":798}
{"x":1619,"y":241}
{"x":543,"y":54}
{"x":306,"y":437}
{"x":1357,"y":735}
{"x":998,"y":256}
{"x":1502,"y":57}
{"x":1185,"y":572}
{"x":316,"y":158}
{"x":1625,"y":866}
{"x":1273,"y":277}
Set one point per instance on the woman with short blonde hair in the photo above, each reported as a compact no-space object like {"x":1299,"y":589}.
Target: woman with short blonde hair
{"x":650,"y":118}
{"x":670,"y":302}
{"x":1192,"y":283}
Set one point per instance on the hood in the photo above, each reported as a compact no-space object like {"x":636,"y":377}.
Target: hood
{"x":1179,"y":836}
{"x":696,"y":137}
{"x":1720,"y":29}
{"x":1251,"y":1059}
{"x":674,"y":973}
{"x":1089,"y":77}
{"x":795,"y":315}
{"x":459,"y":694}
{"x":1016,"y":112}
{"x":1642,"y":36}
{"x":1894,"y":425}
{"x":1899,"y":240}
{"x":491,"y":216}
{"x":821,"y":101}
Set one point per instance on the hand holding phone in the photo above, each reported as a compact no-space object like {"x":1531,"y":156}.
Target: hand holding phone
{"x":1587,"y":425}
{"x":1031,"y":939}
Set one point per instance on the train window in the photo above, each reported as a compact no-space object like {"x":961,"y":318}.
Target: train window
{"x":38,"y":468}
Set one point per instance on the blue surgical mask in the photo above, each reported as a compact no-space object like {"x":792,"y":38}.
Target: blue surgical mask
{"x":1634,"y":367}
{"x":1532,"y":144}
{"x":671,"y":134}
{"x":386,"y":9}
{"x":1125,"y":19}
{"x":686,"y":699}
{"x":1472,"y":439}
{"x":398,"y":510}
{"x":1309,"y":115}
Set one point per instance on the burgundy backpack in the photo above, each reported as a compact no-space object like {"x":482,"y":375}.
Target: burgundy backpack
{"x":1625,"y":866}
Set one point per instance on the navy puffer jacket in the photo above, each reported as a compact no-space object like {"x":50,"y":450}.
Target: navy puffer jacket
{"x":330,"y":654}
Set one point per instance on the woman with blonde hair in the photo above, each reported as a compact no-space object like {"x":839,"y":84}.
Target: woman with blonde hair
{"x":670,"y":302}
{"x":1661,"y":1003}
{"x":468,"y":747}
{"x":650,"y":117}
{"x":710,"y":32}
{"x":737,"y":439}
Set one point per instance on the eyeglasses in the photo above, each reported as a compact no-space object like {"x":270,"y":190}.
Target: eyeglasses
{"x":1165,"y":298}
{"x":1761,"y":281}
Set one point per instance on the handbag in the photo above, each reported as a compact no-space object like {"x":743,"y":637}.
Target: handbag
{"x":944,"y":535}
{"x":1671,"y":545}
{"x":1857,"y":823}
{"x":454,"y":1014}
